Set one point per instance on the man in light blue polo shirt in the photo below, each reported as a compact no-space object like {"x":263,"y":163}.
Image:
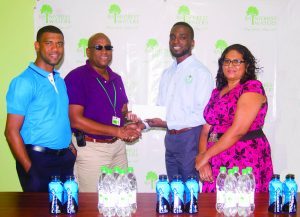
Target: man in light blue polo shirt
{"x":185,"y":88}
{"x":38,"y":127}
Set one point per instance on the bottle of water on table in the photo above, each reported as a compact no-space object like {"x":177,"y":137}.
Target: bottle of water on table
{"x":220,"y":190}
{"x":231,"y":198}
{"x":192,"y":190}
{"x":275,"y":194}
{"x":55,"y":189}
{"x":243,"y":187}
{"x":177,"y":188}
{"x":290,"y":189}
{"x":163,"y":191}
{"x":252,"y":184}
{"x":132,"y":189}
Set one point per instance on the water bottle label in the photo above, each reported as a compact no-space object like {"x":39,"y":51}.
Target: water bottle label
{"x":244,"y":200}
{"x":163,"y":193}
{"x":100,"y":197}
{"x":251,"y":197}
{"x":290,"y":201}
{"x":55,"y":199}
{"x":132,"y":197}
{"x":177,"y":205}
{"x":220,"y":196}
{"x":230,"y":199}
{"x":72,"y":204}
{"x":70,"y":197}
{"x":275,"y":200}
{"x":109,"y":200}
{"x":123,"y":199}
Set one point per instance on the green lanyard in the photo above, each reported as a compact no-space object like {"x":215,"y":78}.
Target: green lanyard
{"x":115,"y":96}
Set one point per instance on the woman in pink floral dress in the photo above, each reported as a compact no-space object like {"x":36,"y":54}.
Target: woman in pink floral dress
{"x":235,"y":116}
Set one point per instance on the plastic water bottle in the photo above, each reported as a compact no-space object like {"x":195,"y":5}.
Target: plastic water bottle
{"x":220,"y":190}
{"x":101,"y":192}
{"x":70,"y":195}
{"x":55,"y":189}
{"x":192,"y":190}
{"x":122,"y":187}
{"x":243,"y":187}
{"x":109,"y":188}
{"x":163,"y":191}
{"x":236,"y":170}
{"x":116,"y":172}
{"x":132,"y":189}
{"x":275,"y":194}
{"x":252,"y":185}
{"x":231,"y":199}
{"x":290,"y":189}
{"x":177,"y":187}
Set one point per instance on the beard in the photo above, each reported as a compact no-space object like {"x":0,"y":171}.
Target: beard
{"x":182,"y":53}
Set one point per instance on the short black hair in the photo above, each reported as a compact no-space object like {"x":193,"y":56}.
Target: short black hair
{"x":52,"y":29}
{"x":186,"y":25}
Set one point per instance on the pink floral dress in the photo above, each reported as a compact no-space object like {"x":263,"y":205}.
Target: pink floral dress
{"x":256,"y":153}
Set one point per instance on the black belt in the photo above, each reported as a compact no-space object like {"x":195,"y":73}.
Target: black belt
{"x":214,"y":137}
{"x":45,"y":150}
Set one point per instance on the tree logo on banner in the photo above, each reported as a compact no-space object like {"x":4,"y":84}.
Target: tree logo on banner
{"x":252,"y":12}
{"x":115,"y":10}
{"x":184,"y":11}
{"x":152,"y":44}
{"x":52,"y":18}
{"x":46,"y":9}
{"x":151,"y":177}
{"x":119,"y":17}
{"x":154,"y":50}
{"x":258,"y":22}
{"x":83,"y":43}
{"x":184,"y":14}
{"x":220,"y":45}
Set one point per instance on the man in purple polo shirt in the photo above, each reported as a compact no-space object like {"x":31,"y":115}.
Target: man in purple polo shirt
{"x":97,"y":109}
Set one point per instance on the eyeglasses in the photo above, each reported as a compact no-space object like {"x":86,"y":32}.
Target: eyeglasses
{"x":235,"y":62}
{"x":100,"y":47}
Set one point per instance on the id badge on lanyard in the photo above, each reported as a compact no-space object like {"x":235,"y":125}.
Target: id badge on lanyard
{"x":116,"y":121}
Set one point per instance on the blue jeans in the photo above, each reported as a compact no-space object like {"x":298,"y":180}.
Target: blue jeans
{"x":44,"y":165}
{"x":181,"y":151}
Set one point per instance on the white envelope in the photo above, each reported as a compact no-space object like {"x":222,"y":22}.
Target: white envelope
{"x":149,"y":111}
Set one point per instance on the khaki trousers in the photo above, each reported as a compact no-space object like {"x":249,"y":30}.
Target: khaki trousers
{"x":94,"y":155}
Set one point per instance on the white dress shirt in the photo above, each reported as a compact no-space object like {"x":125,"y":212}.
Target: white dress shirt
{"x":185,"y":89}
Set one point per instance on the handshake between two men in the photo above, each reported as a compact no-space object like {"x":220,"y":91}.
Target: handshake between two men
{"x":131,"y":131}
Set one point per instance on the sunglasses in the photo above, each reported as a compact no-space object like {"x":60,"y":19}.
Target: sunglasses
{"x":100,"y":47}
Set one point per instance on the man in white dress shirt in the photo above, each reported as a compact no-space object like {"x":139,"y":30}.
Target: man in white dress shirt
{"x":185,"y":88}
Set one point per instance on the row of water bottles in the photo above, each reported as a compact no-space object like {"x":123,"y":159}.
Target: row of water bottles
{"x":63,"y":197}
{"x":177,"y":197}
{"x":283,"y":196}
{"x":117,"y":189}
{"x":235,"y":192}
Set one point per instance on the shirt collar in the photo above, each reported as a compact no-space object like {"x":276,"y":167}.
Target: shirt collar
{"x":184,"y":62}
{"x":92,"y":71}
{"x":42,"y":71}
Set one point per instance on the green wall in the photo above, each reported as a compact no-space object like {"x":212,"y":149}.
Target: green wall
{"x":16,"y":51}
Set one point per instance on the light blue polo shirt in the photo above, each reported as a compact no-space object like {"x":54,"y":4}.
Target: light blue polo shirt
{"x":45,"y":108}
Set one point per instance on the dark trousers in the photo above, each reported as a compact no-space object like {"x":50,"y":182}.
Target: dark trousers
{"x":44,"y":165}
{"x":181,"y":151}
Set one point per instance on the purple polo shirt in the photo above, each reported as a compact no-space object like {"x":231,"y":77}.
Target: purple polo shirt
{"x":84,"y":89}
